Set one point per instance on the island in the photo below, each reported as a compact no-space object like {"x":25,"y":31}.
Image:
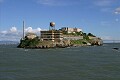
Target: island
{"x":62,"y":38}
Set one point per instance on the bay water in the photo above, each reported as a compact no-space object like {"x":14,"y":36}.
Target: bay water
{"x":76,"y":63}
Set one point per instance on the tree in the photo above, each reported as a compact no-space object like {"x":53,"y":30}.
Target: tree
{"x":85,"y":36}
{"x":90,"y":34}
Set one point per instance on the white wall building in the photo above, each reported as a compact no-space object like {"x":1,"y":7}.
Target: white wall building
{"x":71,"y":30}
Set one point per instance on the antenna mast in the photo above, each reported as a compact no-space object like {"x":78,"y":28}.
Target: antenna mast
{"x":23,"y":29}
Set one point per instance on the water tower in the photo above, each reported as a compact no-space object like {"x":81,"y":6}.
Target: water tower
{"x":52,"y":26}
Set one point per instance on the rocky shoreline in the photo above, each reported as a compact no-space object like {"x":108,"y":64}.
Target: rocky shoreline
{"x":38,"y":44}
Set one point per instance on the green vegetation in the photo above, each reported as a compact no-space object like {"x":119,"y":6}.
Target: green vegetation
{"x":85,"y":39}
{"x":85,"y":36}
{"x":90,"y":34}
{"x":29,"y":42}
{"x":82,"y":41}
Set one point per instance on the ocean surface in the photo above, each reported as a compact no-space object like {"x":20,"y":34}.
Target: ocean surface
{"x":77,"y":63}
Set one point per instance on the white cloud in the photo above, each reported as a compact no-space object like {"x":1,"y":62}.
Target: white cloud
{"x":105,"y":23}
{"x":38,"y":29}
{"x":4,"y":32}
{"x":117,"y":10}
{"x":56,"y":2}
{"x":14,"y":35}
{"x":13,"y":29}
{"x":46,"y":2}
{"x":107,"y":38}
{"x":106,"y":9}
{"x":103,"y":3}
{"x":30,"y":29}
{"x":116,"y":20}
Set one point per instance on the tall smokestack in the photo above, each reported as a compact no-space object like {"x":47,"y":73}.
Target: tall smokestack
{"x":23,"y":29}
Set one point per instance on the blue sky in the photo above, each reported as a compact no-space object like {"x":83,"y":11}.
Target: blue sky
{"x":100,"y":17}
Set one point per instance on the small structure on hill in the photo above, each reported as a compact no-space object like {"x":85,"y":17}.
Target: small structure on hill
{"x":30,"y":35}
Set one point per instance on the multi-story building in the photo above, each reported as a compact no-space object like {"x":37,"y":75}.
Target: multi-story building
{"x":71,"y":30}
{"x":53,"y":35}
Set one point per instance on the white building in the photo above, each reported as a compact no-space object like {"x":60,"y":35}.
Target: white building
{"x":71,"y":30}
{"x":31,"y":35}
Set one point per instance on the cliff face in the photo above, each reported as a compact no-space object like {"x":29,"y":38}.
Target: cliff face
{"x":96,"y":41}
{"x":37,"y":43}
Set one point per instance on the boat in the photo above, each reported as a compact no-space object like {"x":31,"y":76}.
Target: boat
{"x":116,"y":48}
